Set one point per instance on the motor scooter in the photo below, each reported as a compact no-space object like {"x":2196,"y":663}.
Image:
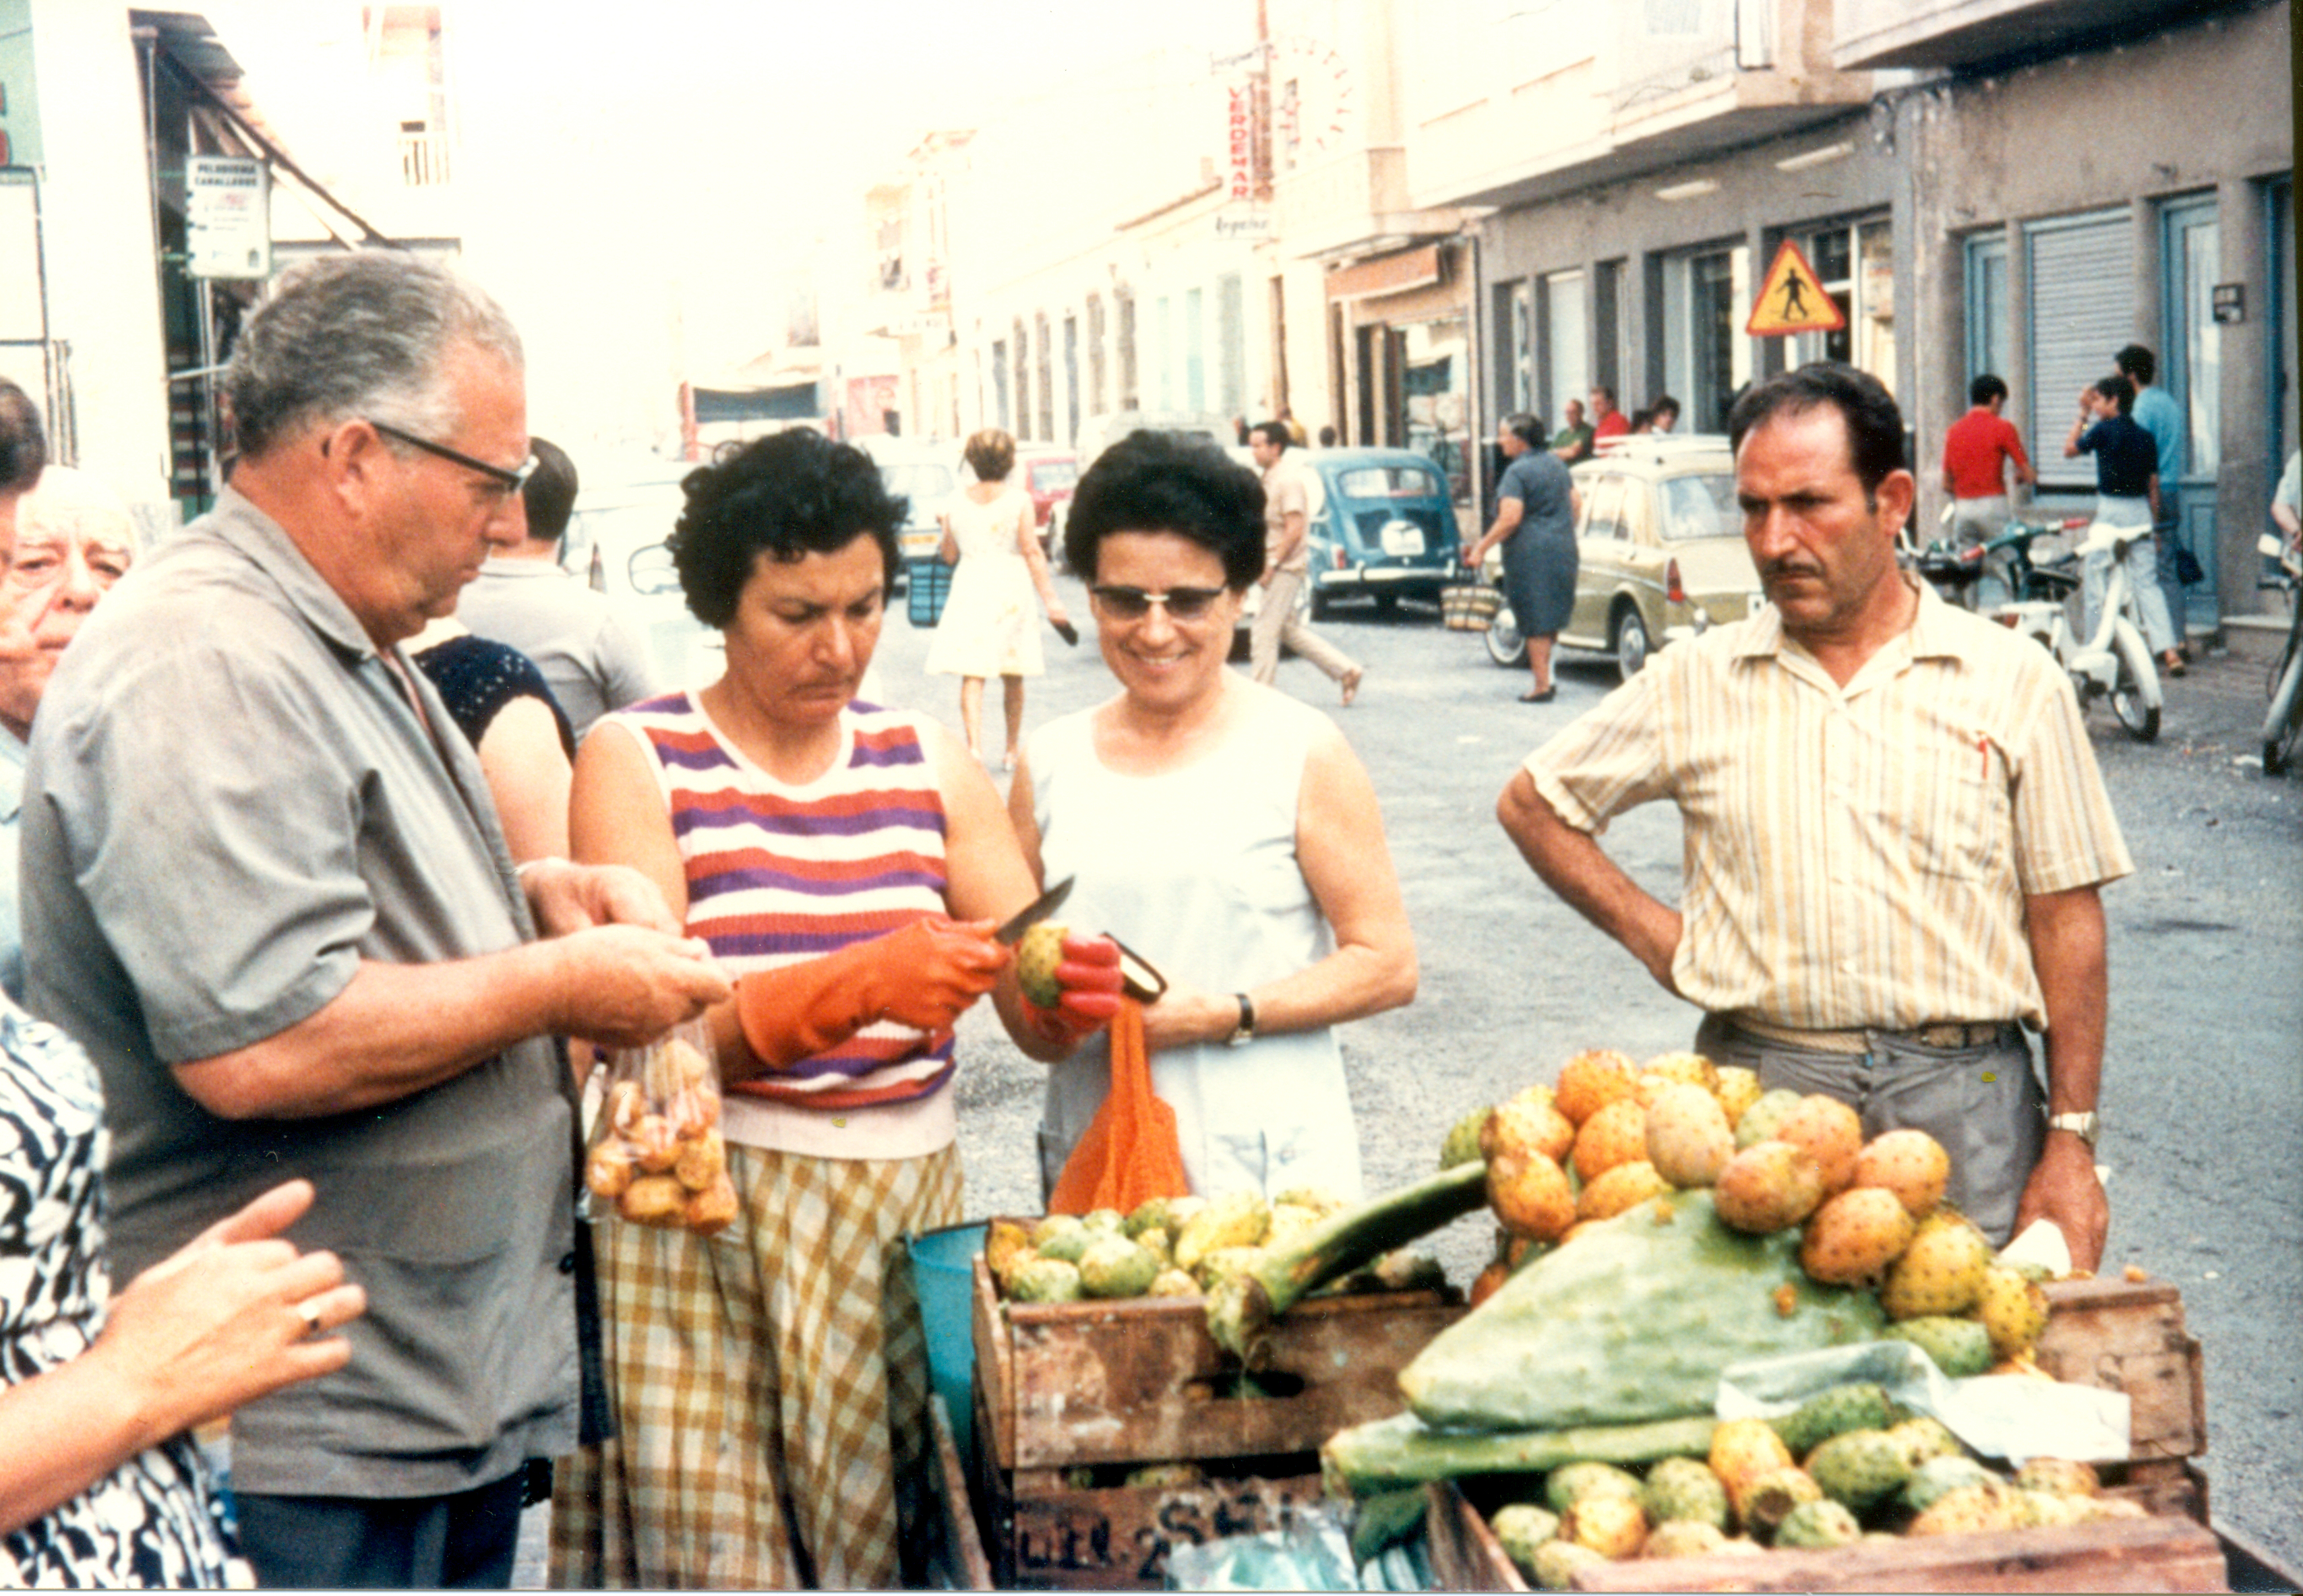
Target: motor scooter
{"x":2114,"y":662}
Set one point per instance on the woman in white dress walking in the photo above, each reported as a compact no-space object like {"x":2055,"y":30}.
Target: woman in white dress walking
{"x":990,"y":627}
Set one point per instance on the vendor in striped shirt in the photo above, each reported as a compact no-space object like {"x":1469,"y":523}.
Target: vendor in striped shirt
{"x":1894,"y":827}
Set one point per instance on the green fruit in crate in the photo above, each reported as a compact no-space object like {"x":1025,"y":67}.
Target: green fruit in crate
{"x":1935,"y":1478}
{"x":1115,"y":1266}
{"x":1060,"y":1236}
{"x":1571,"y":1484}
{"x":1225,"y":1264}
{"x":1926,"y":1437}
{"x":1461,"y":1145}
{"x":2060,"y":1475}
{"x":1959,"y":1346}
{"x":1681,"y":1488}
{"x":1521,"y":1529}
{"x":1235,"y":1219}
{"x":1860,"y":1467}
{"x":1633,"y":1320}
{"x":1771,"y":1499}
{"x":1037,"y":954}
{"x":1759,"y":1121}
{"x":1684,"y":1538}
{"x":1968,"y":1510}
{"x":2011,"y":1310}
{"x":1556,"y":1562}
{"x":1150,"y":1215}
{"x":1158,"y":1243}
{"x":1104,"y":1222}
{"x":1612,"y":1526}
{"x":2049,"y":1509}
{"x":1821,"y":1523}
{"x":1941,"y":1271}
{"x":1172,"y":1281}
{"x":1046,"y":1280}
{"x":1289,"y":1220}
{"x":1165,"y":1475}
{"x":1834,"y":1412}
{"x":1321,"y":1200}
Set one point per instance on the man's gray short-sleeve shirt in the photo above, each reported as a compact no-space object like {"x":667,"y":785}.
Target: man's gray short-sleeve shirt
{"x":592,"y":658}
{"x":231,"y":803}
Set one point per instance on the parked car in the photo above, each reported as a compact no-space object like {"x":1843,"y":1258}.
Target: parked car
{"x":1382,"y":527}
{"x":1099,"y":432}
{"x":616,"y":541}
{"x":1048,"y":476}
{"x":1660,"y":546}
{"x":925,"y":473}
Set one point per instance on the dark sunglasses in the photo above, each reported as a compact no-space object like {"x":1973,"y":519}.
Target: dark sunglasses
{"x":508,"y":483}
{"x":1133,"y":603}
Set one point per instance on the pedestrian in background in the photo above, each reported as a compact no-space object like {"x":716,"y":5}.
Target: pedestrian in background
{"x":1664,"y":413}
{"x":2126,"y":494}
{"x":1894,"y":830}
{"x":75,"y":538}
{"x":1979,"y":450}
{"x":264,"y":887}
{"x":2158,"y":413}
{"x":1536,"y":507}
{"x":1607,"y":421}
{"x":1286,"y":566}
{"x":1573,"y":443}
{"x":593,"y":659}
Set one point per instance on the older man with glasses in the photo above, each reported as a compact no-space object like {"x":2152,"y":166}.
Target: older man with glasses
{"x":265,"y":883}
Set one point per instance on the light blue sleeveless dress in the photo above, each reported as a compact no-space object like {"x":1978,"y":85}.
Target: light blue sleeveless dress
{"x":1195,"y":870}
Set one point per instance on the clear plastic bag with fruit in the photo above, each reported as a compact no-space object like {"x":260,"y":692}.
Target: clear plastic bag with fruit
{"x":656,"y":1156}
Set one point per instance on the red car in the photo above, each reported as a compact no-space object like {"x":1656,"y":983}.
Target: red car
{"x":1049,"y":478}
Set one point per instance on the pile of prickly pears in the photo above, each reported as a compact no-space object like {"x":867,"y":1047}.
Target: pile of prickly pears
{"x":1611,"y":1134}
{"x":1848,"y":1465}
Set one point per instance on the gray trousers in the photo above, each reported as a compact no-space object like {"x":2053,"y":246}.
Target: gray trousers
{"x":1276,"y":623}
{"x":1984,"y":1104}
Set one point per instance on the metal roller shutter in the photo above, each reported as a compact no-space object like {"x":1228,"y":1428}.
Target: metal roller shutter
{"x":2081,"y":308}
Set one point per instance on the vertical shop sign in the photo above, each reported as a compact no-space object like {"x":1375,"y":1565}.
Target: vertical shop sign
{"x":228,"y":215}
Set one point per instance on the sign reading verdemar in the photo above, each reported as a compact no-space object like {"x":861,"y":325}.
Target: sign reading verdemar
{"x":1791,"y":299}
{"x":228,"y":217}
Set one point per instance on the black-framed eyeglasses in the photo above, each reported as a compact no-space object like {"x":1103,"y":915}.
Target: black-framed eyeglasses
{"x":1184,"y":604}
{"x":508,"y":483}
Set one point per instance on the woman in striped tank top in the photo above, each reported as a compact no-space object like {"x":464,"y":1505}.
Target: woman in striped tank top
{"x":846,"y":862}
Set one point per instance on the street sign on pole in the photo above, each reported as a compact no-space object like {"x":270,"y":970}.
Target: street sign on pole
{"x":1791,"y":299}
{"x":228,"y":217}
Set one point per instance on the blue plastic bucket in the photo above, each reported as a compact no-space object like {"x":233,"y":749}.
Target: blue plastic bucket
{"x":943,"y":1271}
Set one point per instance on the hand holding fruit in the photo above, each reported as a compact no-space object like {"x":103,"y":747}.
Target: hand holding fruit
{"x":923,"y":975}
{"x":1070,"y":984}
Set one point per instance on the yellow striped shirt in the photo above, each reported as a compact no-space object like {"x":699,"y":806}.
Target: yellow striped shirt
{"x":1854,"y":857}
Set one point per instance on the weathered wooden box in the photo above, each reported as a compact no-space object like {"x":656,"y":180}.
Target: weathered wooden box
{"x":2117,"y":1335}
{"x":1071,"y":1398}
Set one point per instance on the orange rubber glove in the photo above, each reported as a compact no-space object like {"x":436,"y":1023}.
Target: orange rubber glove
{"x":1089,"y":975}
{"x":923,"y":975}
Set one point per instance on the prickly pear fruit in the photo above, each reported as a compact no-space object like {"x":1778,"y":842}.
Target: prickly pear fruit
{"x":1860,"y":1466}
{"x":1620,"y":1190}
{"x":1738,"y":1089}
{"x":1461,"y":1145}
{"x":1687,"y":1139}
{"x":1911,"y":1164}
{"x":1115,"y":1266}
{"x":1968,"y":1510}
{"x":1060,"y":1236}
{"x":1757,"y":1122}
{"x":1614,"y":1527}
{"x":1571,"y":1482}
{"x":1685,"y":1069}
{"x":1522,"y":1527}
{"x":1682,"y":1538}
{"x":1831,"y":1134}
{"x":1743,"y":1449}
{"x":1833,"y":1412}
{"x":1150,"y":1215}
{"x":1613,"y":1135}
{"x":1104,"y":1222}
{"x":1768,"y":1500}
{"x":1046,"y":1280}
{"x":1235,"y":1219}
{"x":1767,"y":1187}
{"x":1938,"y":1477}
{"x":1589,"y":1081}
{"x":2060,"y":1475}
{"x":1557,"y":1561}
{"x":2012,"y":1310}
{"x":1961,"y":1347}
{"x":1925,"y":1437}
{"x":1941,"y":1271}
{"x":1679,"y":1489}
{"x":1528,"y":1122}
{"x":1854,"y":1236}
{"x":1826,"y":1523}
{"x":1037,"y":954}
{"x":2047,"y":1509}
{"x":1530,"y":1194}
{"x":1004,"y":1244}
{"x":1172,"y":1281}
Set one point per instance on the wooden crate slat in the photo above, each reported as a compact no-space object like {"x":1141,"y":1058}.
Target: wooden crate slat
{"x":961,"y":1557}
{"x":2122,"y":1335}
{"x":1120,"y":1538}
{"x":1465,"y":1555}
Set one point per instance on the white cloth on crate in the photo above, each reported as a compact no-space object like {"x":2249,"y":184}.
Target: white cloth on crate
{"x":1196,"y":870}
{"x":991,"y":625}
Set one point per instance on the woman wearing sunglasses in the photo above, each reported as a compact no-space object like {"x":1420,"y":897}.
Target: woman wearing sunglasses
{"x":1222,"y":829}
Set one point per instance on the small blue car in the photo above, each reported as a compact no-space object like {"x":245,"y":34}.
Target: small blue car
{"x":1382,"y":526}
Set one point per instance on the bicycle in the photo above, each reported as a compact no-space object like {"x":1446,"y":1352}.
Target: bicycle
{"x":2114,"y":662}
{"x":2282,"y":723}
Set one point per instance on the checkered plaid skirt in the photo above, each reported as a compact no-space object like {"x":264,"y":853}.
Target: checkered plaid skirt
{"x":769,"y":1383}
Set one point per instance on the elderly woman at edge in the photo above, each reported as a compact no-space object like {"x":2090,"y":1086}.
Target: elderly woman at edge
{"x":1221,"y":828}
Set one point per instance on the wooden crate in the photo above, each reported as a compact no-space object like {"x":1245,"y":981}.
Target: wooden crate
{"x":957,"y":1559}
{"x":1140,"y":1380}
{"x":2114,"y":1334}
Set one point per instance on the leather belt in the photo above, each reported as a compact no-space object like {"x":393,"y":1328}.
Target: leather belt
{"x":1953,"y":1033}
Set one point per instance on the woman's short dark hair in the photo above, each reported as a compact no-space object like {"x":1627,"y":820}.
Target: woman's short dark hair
{"x":991,"y":454}
{"x":1165,"y":482}
{"x":1875,"y":426}
{"x":788,"y":495}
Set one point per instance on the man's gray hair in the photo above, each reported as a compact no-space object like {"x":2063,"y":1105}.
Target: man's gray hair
{"x":359,"y":334}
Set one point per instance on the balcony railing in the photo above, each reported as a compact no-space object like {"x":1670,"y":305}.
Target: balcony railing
{"x":424,"y":160}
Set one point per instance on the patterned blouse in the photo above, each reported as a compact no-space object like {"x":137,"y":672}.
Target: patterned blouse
{"x":156,"y":1520}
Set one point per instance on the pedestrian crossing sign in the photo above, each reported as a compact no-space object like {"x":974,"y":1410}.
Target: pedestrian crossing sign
{"x":1791,"y":299}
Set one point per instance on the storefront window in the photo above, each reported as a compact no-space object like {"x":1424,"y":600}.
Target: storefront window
{"x":1857,"y":266}
{"x":1434,"y":387}
{"x":1706,"y":356}
{"x":1567,"y":368}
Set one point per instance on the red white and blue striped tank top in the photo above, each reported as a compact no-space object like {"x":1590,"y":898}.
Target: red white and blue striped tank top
{"x":780,"y":873}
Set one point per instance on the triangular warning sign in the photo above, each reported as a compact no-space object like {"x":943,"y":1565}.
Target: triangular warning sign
{"x":1791,"y":299}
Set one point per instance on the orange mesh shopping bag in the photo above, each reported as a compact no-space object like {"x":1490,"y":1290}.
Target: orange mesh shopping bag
{"x":1129,"y":1154}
